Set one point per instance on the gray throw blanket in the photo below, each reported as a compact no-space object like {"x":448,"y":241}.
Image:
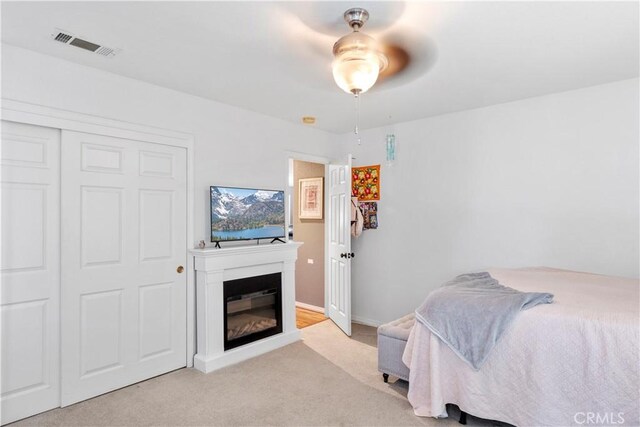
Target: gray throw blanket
{"x":471,"y":312}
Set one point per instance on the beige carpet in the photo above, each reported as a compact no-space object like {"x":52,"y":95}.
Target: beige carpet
{"x":327,"y":379}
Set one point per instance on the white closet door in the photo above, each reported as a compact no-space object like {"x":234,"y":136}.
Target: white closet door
{"x":30,"y":270}
{"x":123,"y":240}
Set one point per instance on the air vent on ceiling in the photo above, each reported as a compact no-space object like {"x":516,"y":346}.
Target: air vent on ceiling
{"x":68,"y":38}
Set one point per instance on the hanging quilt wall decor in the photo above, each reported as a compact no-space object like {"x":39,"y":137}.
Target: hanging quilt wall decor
{"x":365,"y":183}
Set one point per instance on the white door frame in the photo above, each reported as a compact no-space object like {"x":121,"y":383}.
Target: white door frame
{"x":304,"y":157}
{"x":41,"y":115}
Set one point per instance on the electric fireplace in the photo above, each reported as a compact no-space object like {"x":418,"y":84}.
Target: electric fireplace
{"x":221,"y":309}
{"x":252,"y":309}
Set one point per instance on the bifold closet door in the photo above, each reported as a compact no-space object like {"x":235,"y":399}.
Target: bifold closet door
{"x":30,"y":270}
{"x":123,"y":315}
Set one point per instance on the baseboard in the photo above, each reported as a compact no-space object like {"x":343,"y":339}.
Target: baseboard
{"x":242,"y":353}
{"x":367,"y":322}
{"x":310,"y":307}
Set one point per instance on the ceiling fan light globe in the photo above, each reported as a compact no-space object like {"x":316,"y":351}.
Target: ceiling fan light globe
{"x":357,"y":63}
{"x":356,"y":74}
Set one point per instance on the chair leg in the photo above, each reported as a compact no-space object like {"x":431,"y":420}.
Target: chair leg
{"x":463,"y":417}
{"x":385,"y":377}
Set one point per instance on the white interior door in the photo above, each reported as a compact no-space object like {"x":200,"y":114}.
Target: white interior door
{"x":123,"y":237}
{"x":340,"y":245}
{"x":30,"y":270}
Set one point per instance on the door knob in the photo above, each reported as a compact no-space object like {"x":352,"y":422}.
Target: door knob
{"x":180,"y":269}
{"x":352,"y":255}
{"x":343,"y":255}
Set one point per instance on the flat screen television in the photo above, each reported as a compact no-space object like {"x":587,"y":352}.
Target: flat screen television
{"x":246,"y":214}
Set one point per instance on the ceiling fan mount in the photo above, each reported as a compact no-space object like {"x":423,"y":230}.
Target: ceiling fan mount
{"x":356,"y":17}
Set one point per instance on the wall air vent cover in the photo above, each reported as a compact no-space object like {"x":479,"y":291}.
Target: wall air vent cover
{"x":70,"y":39}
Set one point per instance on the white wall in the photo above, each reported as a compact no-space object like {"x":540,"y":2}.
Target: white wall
{"x":547,"y":181}
{"x":233,"y":147}
{"x":544,"y":181}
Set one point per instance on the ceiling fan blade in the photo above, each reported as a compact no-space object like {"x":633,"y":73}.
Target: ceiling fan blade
{"x":399,"y":59}
{"x":410,"y":57}
{"x":312,"y":47}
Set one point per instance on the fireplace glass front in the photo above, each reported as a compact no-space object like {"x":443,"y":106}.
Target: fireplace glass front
{"x":252,"y":309}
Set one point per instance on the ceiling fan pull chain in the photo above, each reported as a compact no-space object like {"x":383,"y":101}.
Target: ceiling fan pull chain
{"x":357,"y":127}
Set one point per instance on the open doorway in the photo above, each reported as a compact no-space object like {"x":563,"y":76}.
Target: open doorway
{"x":310,"y":266}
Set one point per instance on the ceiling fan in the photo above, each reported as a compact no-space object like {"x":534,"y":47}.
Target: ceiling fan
{"x":397,"y":52}
{"x":361,"y":60}
{"x":394,"y":29}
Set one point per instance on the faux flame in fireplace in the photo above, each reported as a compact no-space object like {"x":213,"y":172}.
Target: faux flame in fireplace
{"x":252,"y":309}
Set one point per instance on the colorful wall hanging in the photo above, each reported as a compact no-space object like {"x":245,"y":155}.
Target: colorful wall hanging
{"x":370,"y":215}
{"x":365,"y":183}
{"x":391,"y":147}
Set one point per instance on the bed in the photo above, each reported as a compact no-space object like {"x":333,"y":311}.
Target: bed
{"x":573,"y":362}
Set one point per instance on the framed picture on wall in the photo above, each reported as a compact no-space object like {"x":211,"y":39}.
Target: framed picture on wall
{"x":310,"y":197}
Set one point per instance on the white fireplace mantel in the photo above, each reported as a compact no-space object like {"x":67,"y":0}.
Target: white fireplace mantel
{"x":215,"y":266}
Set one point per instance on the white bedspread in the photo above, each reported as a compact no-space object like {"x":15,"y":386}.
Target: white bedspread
{"x":573,"y":362}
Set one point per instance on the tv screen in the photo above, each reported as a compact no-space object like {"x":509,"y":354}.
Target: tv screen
{"x":246,"y":214}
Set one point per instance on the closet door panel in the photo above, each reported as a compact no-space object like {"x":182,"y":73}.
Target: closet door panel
{"x":124,"y":237}
{"x":29,"y":302}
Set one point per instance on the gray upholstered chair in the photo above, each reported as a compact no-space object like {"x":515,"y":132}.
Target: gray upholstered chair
{"x":392,"y":339}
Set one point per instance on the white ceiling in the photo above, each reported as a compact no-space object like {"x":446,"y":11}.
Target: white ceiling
{"x":275,"y":57}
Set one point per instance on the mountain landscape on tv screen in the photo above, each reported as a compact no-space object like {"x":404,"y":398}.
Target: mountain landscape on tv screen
{"x":235,"y":210}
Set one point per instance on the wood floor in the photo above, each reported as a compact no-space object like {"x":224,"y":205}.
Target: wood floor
{"x":306,"y":317}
